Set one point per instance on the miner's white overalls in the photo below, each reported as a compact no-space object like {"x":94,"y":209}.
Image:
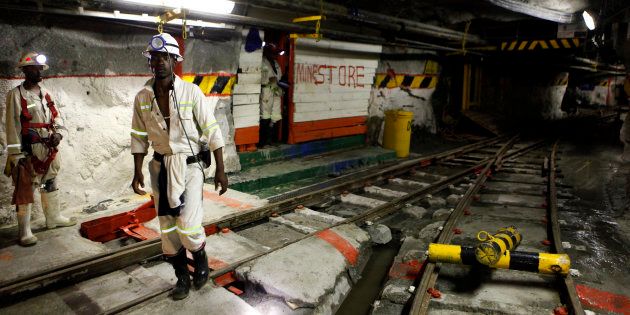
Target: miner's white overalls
{"x":149,"y":126}
{"x":271,"y":93}
{"x":37,"y":107}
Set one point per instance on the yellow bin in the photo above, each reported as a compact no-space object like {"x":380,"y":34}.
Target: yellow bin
{"x":397,"y":134}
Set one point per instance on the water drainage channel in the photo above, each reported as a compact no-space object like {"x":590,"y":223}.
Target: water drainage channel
{"x":371,"y":195}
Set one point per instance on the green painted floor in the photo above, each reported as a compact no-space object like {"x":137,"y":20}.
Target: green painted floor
{"x":281,"y":176}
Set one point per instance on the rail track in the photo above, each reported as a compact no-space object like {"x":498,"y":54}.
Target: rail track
{"x":543,"y":218}
{"x":359,"y":198}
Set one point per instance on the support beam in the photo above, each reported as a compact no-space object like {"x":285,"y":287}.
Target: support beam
{"x":375,"y":20}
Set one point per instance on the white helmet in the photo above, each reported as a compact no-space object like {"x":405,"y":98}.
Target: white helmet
{"x":163,"y":42}
{"x":32,"y":59}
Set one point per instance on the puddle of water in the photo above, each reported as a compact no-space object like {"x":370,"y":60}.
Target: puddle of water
{"x":364,"y":292}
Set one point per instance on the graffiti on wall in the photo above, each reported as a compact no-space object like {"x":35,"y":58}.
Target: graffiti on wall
{"x":351,"y":76}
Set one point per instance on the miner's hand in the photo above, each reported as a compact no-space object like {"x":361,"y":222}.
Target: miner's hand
{"x":220,"y":179}
{"x":138,"y":181}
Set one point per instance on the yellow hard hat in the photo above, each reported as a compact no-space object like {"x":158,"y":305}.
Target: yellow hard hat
{"x":32,"y":59}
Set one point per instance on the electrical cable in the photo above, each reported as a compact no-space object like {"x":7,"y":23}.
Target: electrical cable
{"x":179,"y":116}
{"x":173,"y":96}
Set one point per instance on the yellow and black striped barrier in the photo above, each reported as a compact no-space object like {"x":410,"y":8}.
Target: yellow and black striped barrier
{"x":416,"y":81}
{"x":535,"y":262}
{"x":492,"y":247}
{"x":214,"y":84}
{"x":541,"y":44}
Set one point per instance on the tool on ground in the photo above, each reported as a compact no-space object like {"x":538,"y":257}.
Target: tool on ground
{"x":525,"y":261}
{"x":492,"y":247}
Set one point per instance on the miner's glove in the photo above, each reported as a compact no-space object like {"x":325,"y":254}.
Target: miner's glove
{"x":12,"y":161}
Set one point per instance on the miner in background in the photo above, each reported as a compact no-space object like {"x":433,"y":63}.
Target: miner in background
{"x":32,"y":122}
{"x":270,"y":96}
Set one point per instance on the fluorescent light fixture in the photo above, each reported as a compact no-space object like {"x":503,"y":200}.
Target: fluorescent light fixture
{"x":588,"y":19}
{"x":152,"y":19}
{"x":214,"y":6}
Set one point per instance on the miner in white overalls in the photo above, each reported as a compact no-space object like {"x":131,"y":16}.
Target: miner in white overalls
{"x":270,"y":95}
{"x":178,"y":121}
{"x":32,"y":122}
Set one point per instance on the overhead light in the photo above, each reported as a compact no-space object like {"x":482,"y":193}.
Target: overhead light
{"x":281,"y":53}
{"x":215,"y":6}
{"x":588,"y":19}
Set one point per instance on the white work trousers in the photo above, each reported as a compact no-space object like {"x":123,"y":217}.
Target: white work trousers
{"x":270,"y":101}
{"x":186,"y":229}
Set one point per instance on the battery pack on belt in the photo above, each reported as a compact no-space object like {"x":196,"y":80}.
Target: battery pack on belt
{"x":189,"y":160}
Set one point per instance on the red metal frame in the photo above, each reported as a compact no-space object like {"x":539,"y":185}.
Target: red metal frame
{"x":291,"y":106}
{"x":123,"y":224}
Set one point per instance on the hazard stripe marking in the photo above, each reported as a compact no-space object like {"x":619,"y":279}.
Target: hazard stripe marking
{"x":341,"y":244}
{"x":512,"y":45}
{"x":406,"y":270}
{"x":215,"y":84}
{"x":521,"y":45}
{"x":413,"y":81}
{"x":603,"y":300}
{"x":232,"y":203}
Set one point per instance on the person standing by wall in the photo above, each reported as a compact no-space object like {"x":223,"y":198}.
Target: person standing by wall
{"x":178,"y":121}
{"x":270,"y":95}
{"x":32,"y":122}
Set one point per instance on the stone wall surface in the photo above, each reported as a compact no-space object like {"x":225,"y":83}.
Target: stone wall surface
{"x":96,"y":69}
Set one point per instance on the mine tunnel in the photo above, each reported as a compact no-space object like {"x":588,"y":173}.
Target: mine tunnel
{"x":315,"y":157}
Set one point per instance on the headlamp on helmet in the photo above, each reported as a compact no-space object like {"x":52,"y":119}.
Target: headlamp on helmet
{"x":41,"y":59}
{"x":163,"y":43}
{"x":157,"y":43}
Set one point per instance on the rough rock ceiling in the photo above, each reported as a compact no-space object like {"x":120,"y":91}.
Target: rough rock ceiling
{"x":454,"y":11}
{"x":492,"y":20}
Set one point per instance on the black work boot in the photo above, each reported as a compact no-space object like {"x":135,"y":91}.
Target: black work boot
{"x":200,"y":276}
{"x":265,"y":133}
{"x":180,"y":264}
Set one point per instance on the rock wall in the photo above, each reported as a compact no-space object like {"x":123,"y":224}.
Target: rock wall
{"x":403,"y":82}
{"x":96,"y":68}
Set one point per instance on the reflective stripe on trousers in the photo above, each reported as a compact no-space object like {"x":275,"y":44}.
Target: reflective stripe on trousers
{"x":186,"y":229}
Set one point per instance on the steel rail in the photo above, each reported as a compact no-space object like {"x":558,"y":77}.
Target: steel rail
{"x":372,"y":214}
{"x":420,"y":304}
{"x":568,"y":286}
{"x":90,"y":267}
